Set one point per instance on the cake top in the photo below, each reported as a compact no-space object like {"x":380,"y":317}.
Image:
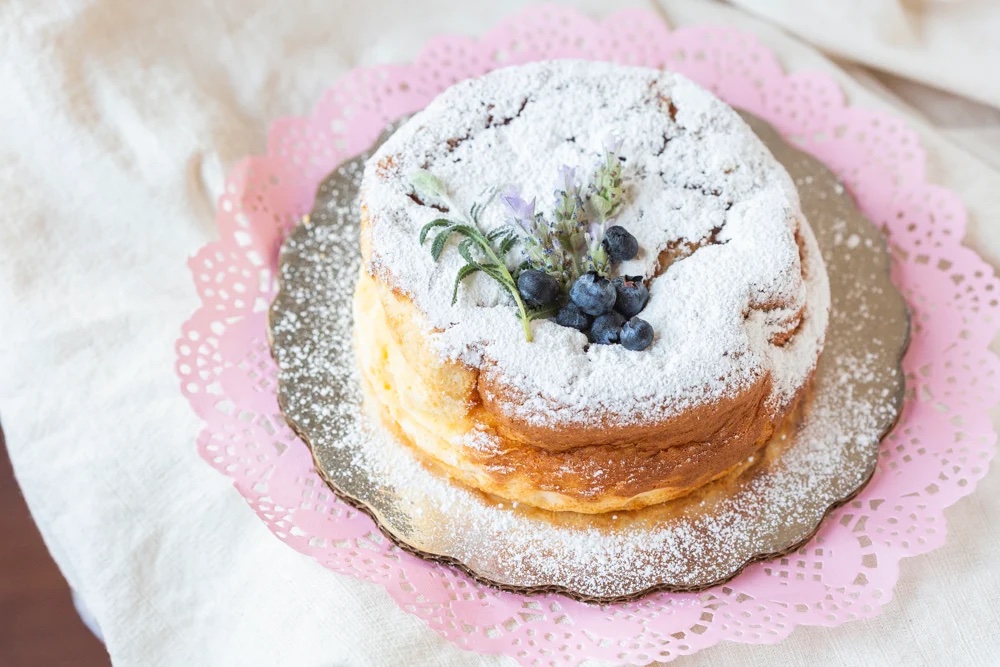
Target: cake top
{"x":717,"y":219}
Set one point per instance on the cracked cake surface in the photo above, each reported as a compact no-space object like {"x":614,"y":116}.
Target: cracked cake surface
{"x":738,"y":293}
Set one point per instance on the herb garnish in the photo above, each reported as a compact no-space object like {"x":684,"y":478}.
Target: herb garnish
{"x":565,"y":247}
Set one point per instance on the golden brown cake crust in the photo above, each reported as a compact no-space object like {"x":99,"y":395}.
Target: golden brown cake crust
{"x":620,"y":468}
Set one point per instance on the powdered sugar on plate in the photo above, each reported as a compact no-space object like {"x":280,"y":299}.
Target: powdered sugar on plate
{"x":686,"y":544}
{"x":697,"y":177}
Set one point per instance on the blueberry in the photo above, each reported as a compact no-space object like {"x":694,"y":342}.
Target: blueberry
{"x":637,"y":334}
{"x":571,"y":316}
{"x":619,"y":244}
{"x":537,"y":288}
{"x":607,"y":329}
{"x":593,"y":293}
{"x":632,"y":295}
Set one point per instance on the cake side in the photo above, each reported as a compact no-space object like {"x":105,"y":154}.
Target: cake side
{"x":435,"y":408}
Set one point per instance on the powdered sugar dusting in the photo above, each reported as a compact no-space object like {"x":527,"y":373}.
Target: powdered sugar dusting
{"x":697,"y":176}
{"x":689,"y":543}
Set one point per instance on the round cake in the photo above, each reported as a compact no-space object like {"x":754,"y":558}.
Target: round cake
{"x":738,"y":296}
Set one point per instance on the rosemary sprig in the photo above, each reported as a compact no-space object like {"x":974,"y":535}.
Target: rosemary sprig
{"x":484,"y":253}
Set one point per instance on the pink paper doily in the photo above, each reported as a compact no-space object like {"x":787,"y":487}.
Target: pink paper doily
{"x":937,"y":453}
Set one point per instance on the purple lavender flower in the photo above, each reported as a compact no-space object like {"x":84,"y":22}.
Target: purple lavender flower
{"x":567,"y":181}
{"x":597,"y":256}
{"x":519,"y":211}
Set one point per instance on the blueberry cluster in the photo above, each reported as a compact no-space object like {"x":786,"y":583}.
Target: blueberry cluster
{"x":604,"y":309}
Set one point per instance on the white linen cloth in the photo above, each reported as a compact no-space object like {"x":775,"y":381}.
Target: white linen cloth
{"x":117,"y":123}
{"x":950,"y":44}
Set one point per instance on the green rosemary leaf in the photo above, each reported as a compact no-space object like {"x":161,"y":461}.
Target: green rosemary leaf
{"x":439,"y":222}
{"x":497,"y":233}
{"x":475,"y":211}
{"x":469,"y":231}
{"x":507,"y":244}
{"x":493,"y":271}
{"x":437,"y":247}
{"x":462,"y":274}
{"x":501,"y":275}
{"x":465,"y":250}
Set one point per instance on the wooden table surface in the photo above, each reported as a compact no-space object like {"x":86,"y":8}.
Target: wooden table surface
{"x":38,"y":625}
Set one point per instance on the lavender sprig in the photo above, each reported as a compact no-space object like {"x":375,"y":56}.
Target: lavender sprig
{"x":539,"y":238}
{"x":521,"y":216}
{"x":570,"y":220}
{"x":605,"y":198}
{"x":570,"y":244}
{"x":607,"y":191}
{"x":596,"y":258}
{"x":481,"y":252}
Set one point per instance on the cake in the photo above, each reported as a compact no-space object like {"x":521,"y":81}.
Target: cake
{"x":738,"y":296}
